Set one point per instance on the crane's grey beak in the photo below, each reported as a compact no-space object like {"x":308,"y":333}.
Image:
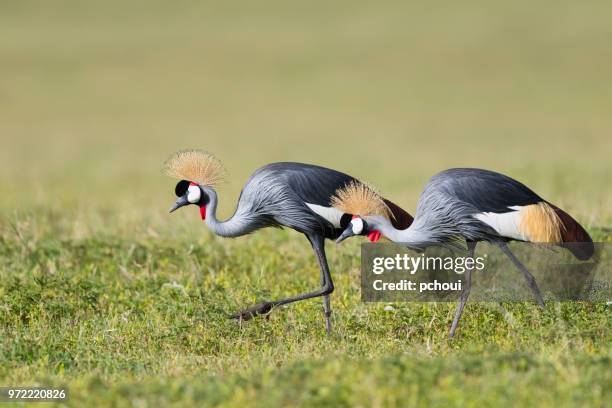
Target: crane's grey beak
{"x":345,"y":234}
{"x":182,"y":201}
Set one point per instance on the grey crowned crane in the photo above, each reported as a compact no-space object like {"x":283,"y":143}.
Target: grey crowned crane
{"x":475,"y":205}
{"x":292,"y":195}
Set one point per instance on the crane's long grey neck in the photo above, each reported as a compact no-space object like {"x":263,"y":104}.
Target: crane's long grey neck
{"x":233,"y":227}
{"x":410,"y":236}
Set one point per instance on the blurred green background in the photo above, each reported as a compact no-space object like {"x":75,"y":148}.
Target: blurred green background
{"x":103,"y":292}
{"x":95,"y":95}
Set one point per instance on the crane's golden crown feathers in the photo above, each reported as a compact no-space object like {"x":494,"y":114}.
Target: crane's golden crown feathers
{"x":360,"y":199}
{"x":196,"y":166}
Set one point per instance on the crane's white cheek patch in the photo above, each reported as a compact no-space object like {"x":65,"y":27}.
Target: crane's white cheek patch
{"x":505,"y":224}
{"x":357,"y":225}
{"x":194,"y":194}
{"x":331,"y":214}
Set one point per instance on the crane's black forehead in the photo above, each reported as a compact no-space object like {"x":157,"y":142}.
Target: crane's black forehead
{"x":181,"y":188}
{"x":345,"y":220}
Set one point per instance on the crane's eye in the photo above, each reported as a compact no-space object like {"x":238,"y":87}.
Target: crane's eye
{"x":194,"y":194}
{"x":357,"y":225}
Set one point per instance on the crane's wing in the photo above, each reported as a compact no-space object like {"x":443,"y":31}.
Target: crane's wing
{"x":313,"y":187}
{"x":486,"y":190}
{"x":312,"y":184}
{"x":317,"y":185}
{"x":513,"y":209}
{"x":401,"y":219}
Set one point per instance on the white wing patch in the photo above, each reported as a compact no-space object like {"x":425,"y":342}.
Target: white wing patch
{"x":505,"y":224}
{"x":331,"y":214}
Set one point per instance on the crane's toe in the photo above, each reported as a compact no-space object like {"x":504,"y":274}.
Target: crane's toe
{"x":250,"y":312}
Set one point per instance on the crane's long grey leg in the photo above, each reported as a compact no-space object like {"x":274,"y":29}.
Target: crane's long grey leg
{"x":326,"y":298}
{"x":465,"y":293}
{"x":528,"y":276}
{"x":327,"y":287}
{"x":318,"y":245}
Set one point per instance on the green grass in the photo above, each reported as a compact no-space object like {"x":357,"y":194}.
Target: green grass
{"x":144,"y":321}
{"x":104,"y":292}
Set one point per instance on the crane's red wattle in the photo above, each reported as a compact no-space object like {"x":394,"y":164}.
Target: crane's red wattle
{"x":374,"y":236}
{"x":203,"y":212}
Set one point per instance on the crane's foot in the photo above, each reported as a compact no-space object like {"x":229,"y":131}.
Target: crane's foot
{"x":262,"y":308}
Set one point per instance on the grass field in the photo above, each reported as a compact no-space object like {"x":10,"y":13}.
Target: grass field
{"x":103,"y":292}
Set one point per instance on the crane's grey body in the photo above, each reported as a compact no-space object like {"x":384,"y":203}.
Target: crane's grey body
{"x":475,"y":205}
{"x":293,"y":195}
{"x":277,"y":195}
{"x":450,"y":203}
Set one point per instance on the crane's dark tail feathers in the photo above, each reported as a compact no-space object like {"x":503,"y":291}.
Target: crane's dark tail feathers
{"x":574,"y":237}
{"x":401,"y":219}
